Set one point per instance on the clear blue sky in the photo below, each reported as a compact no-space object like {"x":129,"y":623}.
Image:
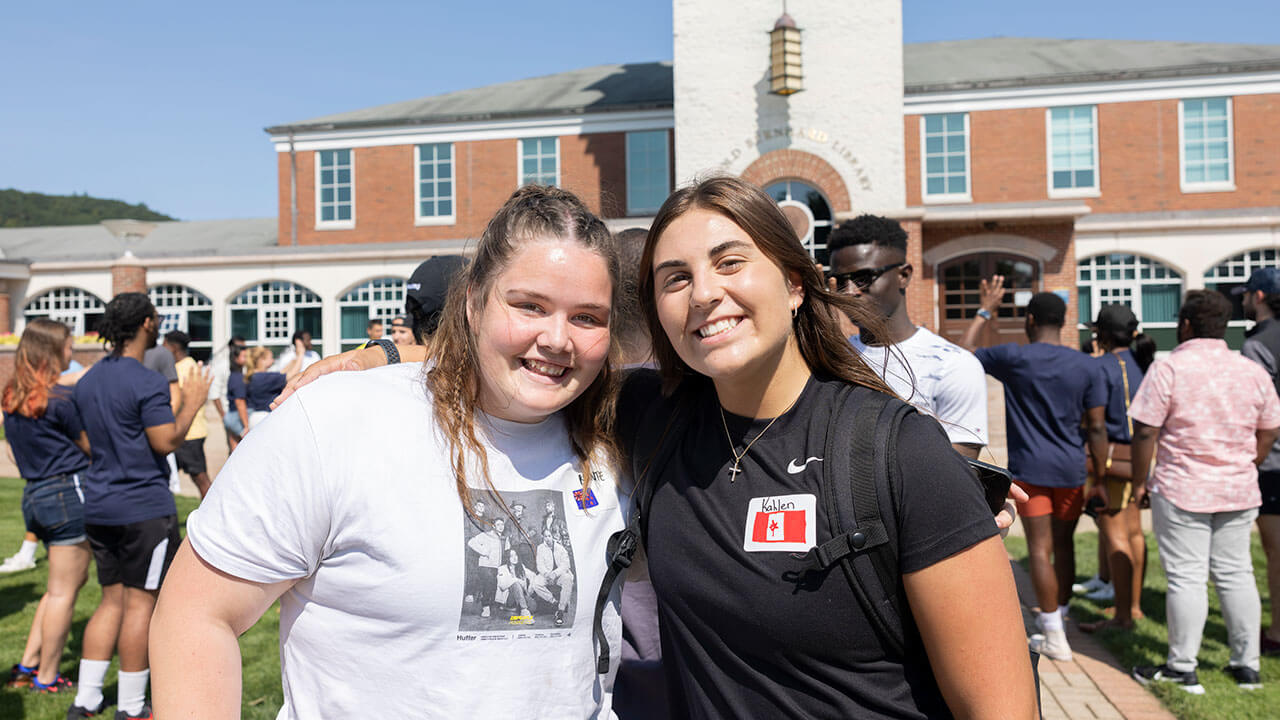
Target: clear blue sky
{"x":164,"y":102}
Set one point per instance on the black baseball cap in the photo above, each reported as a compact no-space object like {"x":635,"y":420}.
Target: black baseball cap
{"x":1266,"y":280}
{"x":425,"y":292}
{"x":1116,"y":319}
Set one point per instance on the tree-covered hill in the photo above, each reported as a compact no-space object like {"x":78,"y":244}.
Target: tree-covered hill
{"x":28,"y":209}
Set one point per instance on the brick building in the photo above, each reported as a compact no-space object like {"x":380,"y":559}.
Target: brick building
{"x":1106,"y":171}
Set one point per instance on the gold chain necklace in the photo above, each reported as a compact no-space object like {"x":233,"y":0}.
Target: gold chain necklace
{"x":737,"y":456}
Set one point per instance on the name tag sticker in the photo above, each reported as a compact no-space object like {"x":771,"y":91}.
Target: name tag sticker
{"x":781,"y":523}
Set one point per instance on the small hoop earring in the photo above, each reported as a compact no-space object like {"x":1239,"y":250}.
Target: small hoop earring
{"x":795,"y":311}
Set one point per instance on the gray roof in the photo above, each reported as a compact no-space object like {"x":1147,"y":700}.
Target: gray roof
{"x":603,"y":88}
{"x":183,"y":239}
{"x":1013,"y":62}
{"x":927,"y":67}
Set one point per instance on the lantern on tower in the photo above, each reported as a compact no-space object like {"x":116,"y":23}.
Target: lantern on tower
{"x":785,"y":75}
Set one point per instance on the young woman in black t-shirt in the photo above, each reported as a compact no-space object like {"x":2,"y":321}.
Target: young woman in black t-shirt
{"x":742,"y":324}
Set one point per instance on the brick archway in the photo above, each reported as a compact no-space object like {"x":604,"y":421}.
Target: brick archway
{"x":805,"y":167}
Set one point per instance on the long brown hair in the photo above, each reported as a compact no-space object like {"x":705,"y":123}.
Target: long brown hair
{"x":817,"y":332}
{"x":36,"y":367}
{"x":531,"y":213}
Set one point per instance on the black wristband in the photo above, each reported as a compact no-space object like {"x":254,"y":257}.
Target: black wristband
{"x":388,"y":348}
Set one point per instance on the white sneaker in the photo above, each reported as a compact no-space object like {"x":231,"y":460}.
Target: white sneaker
{"x":1051,"y":644}
{"x":1093,"y":584}
{"x":16,"y":564}
{"x":1106,"y":593}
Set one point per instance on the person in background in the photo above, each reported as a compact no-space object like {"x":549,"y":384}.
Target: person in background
{"x":308,"y":355}
{"x":262,"y":384}
{"x":1262,"y":345}
{"x":1125,"y":357}
{"x":1050,"y":391}
{"x":161,"y":360}
{"x":401,"y":331}
{"x":25,"y":558}
{"x":425,"y":292}
{"x":130,"y":516}
{"x":1216,"y":415}
{"x":51,"y":451}
{"x":869,"y":259}
{"x":190,"y":457}
{"x":374,"y":329}
{"x":225,"y":364}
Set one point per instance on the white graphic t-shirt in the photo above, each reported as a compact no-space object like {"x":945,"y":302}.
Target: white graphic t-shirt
{"x":347,"y":489}
{"x":940,"y":378}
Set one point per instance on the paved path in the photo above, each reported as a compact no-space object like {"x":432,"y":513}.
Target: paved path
{"x":1093,"y":684}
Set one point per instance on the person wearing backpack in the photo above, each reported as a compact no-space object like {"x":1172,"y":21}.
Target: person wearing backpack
{"x":754,"y":621}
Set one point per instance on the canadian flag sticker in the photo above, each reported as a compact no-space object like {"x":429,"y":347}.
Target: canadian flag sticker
{"x":781,"y":523}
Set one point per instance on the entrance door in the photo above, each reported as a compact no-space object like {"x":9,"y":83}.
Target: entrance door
{"x":961,"y":295}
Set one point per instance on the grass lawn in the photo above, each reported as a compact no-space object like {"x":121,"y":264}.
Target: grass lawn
{"x":20,"y":592}
{"x":1147,"y":644}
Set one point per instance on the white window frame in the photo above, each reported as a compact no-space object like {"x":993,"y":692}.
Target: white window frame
{"x":1132,"y":286}
{"x":67,"y":305}
{"x":520,"y":158}
{"x":336,"y":224}
{"x":385,"y":310}
{"x":1237,"y":268}
{"x":1211,"y":185}
{"x":250,"y":298}
{"x":1074,"y":192}
{"x":173,"y":316}
{"x":418,"y":217}
{"x":666,"y":169}
{"x":967,"y":195}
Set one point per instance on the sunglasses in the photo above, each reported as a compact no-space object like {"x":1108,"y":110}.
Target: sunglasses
{"x":862,"y":279}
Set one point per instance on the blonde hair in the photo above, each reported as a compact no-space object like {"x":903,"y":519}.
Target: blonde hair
{"x":531,"y":213}
{"x":252,"y":356}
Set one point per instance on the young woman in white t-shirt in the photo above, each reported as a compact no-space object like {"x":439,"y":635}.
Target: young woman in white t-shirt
{"x":366,"y":551}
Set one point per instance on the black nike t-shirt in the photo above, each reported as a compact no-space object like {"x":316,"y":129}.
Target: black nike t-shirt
{"x":743,"y":634}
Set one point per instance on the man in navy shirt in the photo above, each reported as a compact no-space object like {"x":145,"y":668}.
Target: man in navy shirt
{"x":1049,"y":389}
{"x":130,"y":516}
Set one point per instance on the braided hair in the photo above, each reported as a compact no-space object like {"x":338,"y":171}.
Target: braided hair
{"x":123,"y":316}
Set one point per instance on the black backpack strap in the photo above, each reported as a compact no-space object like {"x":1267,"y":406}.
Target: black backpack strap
{"x":860,"y":472}
{"x":656,"y":441}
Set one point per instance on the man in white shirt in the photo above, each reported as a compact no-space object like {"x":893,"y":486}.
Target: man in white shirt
{"x":869,"y":257}
{"x":309,"y":357}
{"x":554,"y":571}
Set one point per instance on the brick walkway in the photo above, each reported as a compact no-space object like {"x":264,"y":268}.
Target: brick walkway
{"x":1093,"y":684}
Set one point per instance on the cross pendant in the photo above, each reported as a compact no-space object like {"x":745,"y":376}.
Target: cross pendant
{"x":733,"y":471}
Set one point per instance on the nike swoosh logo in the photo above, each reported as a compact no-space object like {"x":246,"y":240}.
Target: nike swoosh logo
{"x":793,"y":468}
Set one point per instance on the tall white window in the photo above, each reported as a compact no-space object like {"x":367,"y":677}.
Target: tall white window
{"x":435,"y":188}
{"x":540,"y":161}
{"x":381,"y":298}
{"x":270,"y":312}
{"x":186,"y":310}
{"x":78,"y":309}
{"x":1205,"y":143}
{"x":648,"y":171}
{"x":1151,"y":289}
{"x":944,"y":140}
{"x":335,"y":189}
{"x":1073,"y":151}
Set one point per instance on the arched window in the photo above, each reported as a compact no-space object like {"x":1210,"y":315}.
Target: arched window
{"x":79,"y":309}
{"x":1235,"y":271}
{"x":1151,"y":289}
{"x":270,"y":312}
{"x":809,"y":200}
{"x":187,"y":310}
{"x":381,"y":298}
